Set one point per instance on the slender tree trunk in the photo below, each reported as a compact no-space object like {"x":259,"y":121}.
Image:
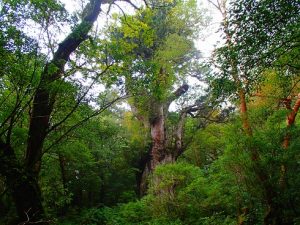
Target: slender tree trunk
{"x":178,"y":135}
{"x":62,"y":165}
{"x":290,"y":122}
{"x":272,"y":216}
{"x":244,"y":112}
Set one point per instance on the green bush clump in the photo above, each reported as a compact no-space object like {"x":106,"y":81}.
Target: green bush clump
{"x":123,"y":214}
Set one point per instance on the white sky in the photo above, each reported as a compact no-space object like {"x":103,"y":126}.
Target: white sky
{"x":211,"y":35}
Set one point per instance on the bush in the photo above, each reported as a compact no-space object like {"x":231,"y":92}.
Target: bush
{"x":123,"y":214}
{"x":177,"y":192}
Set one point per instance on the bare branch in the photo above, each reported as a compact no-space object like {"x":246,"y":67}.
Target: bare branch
{"x":179,"y":92}
{"x":131,"y":3}
{"x":215,"y":5}
{"x":33,"y":222}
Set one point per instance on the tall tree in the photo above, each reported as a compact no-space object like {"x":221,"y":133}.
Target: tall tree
{"x":22,"y":178}
{"x":254,"y":41}
{"x":152,"y":49}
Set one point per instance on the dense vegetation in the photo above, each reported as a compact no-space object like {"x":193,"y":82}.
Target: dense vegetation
{"x":87,"y":134}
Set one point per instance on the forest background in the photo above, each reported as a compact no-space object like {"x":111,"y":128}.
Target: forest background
{"x":110,"y":113}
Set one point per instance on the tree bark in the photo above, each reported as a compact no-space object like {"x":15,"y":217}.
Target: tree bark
{"x":159,"y":152}
{"x":290,"y":120}
{"x":244,"y":112}
{"x":158,"y":136}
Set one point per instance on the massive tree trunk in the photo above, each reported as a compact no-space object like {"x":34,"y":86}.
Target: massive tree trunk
{"x":160,"y":151}
{"x":23,"y":180}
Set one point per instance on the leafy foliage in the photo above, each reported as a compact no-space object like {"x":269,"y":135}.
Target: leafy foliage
{"x":91,"y":148}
